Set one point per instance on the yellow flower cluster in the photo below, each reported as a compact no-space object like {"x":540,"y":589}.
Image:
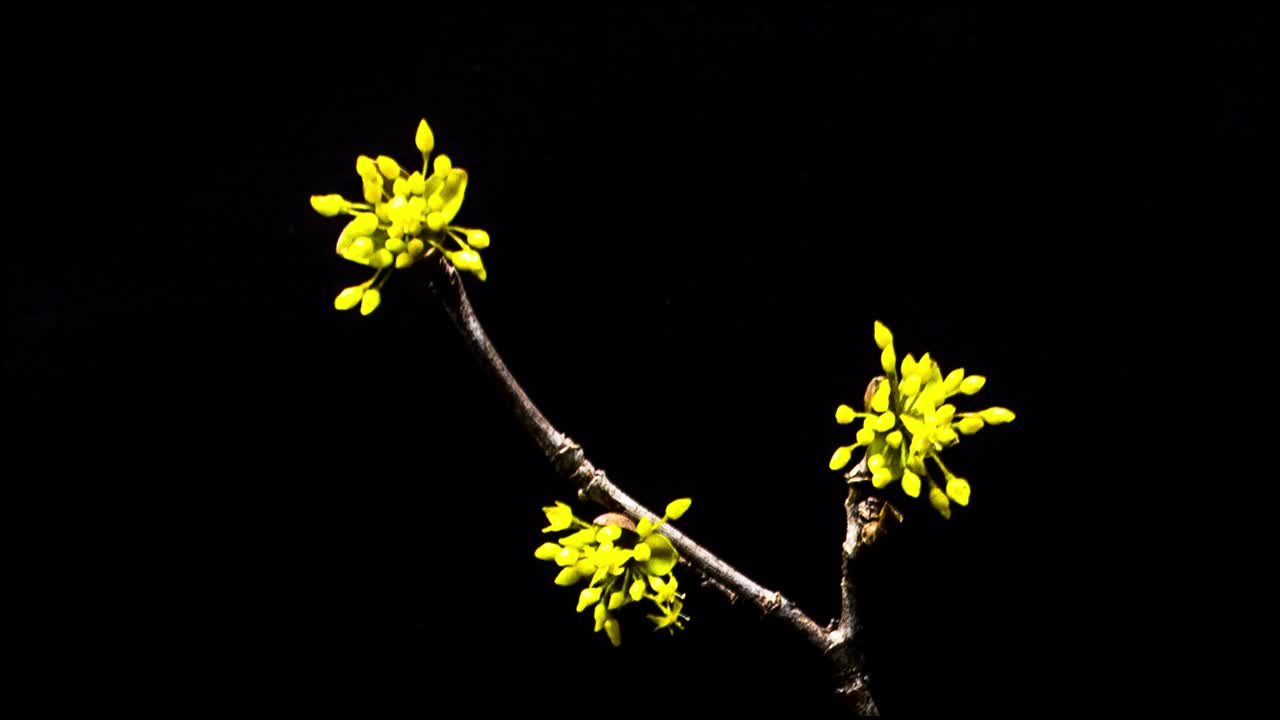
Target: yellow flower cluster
{"x":405,"y":217}
{"x":908,"y":421}
{"x":621,"y":564}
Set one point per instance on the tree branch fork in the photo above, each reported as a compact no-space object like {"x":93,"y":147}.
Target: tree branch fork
{"x":864,"y":513}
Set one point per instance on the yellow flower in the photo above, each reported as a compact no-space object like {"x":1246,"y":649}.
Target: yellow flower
{"x":908,"y":421}
{"x":404,"y":217}
{"x":619,"y":564}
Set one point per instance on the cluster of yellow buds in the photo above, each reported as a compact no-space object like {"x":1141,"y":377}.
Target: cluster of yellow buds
{"x":908,"y":421}
{"x":621,"y":563}
{"x":405,"y":217}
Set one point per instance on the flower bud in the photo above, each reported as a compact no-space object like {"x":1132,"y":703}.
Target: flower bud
{"x":880,"y":400}
{"x":952,"y":383}
{"x":972,"y":384}
{"x":424,"y":138}
{"x":677,"y":508}
{"x":887,"y":360}
{"x":882,"y":477}
{"x":328,"y":205}
{"x":370,"y":301}
{"x":844,"y":415}
{"x":588,"y":597}
{"x":939,"y":501}
{"x":478,"y":239}
{"x":416,"y":184}
{"x":884,"y":338}
{"x":547,"y":551}
{"x":958,"y":490}
{"x":348,"y":298}
{"x":840,"y":458}
{"x":389,"y":168}
{"x":567,"y":577}
{"x":997,"y":415}
{"x":911,"y":385}
{"x":441,"y":165}
{"x":969,"y":425}
{"x":910,"y":483}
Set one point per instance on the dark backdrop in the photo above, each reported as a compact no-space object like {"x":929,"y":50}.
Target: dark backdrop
{"x":227,"y":493}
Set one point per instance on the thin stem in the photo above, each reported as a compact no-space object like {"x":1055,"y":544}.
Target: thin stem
{"x":593,"y":484}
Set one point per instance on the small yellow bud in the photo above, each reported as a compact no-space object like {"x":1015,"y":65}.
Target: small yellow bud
{"x":328,"y":205}
{"x":945,"y":413}
{"x":478,"y":239}
{"x":394,"y":244}
{"x":885,"y":422}
{"x":441,"y":165}
{"x":969,"y":425}
{"x":911,"y":385}
{"x":952,"y":383}
{"x":844,"y":415}
{"x":600,"y":615}
{"x":677,"y":508}
{"x":614,"y":631}
{"x":894,"y":439}
{"x":348,"y":298}
{"x":400,"y":186}
{"x":880,"y":400}
{"x":389,"y":168}
{"x":908,"y":364}
{"x":370,"y":301}
{"x":367,"y":168}
{"x":468,"y":260}
{"x":588,"y":597}
{"x":875,"y":462}
{"x":939,"y":501}
{"x":637,"y":590}
{"x":372,"y":190}
{"x":424,"y":138}
{"x":644,"y":527}
{"x":887,"y":360}
{"x":924,"y":368}
{"x":415,"y":247}
{"x":884,"y":338}
{"x":972,"y":384}
{"x":616,"y":599}
{"x":840,"y":458}
{"x":363,"y":224}
{"x":417,"y":183}
{"x":546,"y":551}
{"x":882,"y":477}
{"x":435,"y":202}
{"x":910,"y":483}
{"x":945,"y":435}
{"x":642,"y":552}
{"x":435,"y":221}
{"x":403,"y":260}
{"x":997,"y":415}
{"x":360,"y":250}
{"x":958,"y":490}
{"x":568,"y":576}
{"x":381,"y":258}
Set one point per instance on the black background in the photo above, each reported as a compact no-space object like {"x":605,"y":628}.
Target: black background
{"x":228,"y":494}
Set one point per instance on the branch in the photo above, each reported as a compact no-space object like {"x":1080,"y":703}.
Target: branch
{"x":865,"y":518}
{"x":569,"y":460}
